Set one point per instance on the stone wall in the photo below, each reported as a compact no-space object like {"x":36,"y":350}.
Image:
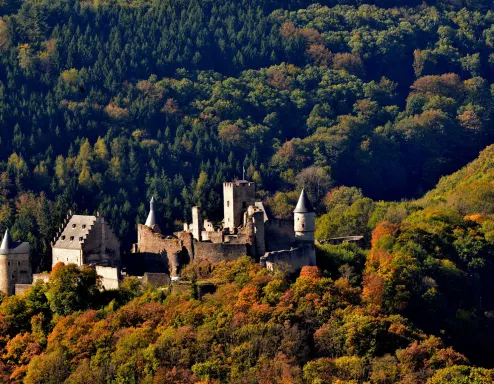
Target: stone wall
{"x":259,"y":229}
{"x":162,"y":254}
{"x":44,"y":277}
{"x":215,"y":237}
{"x":295,"y":258}
{"x":187,"y":246}
{"x":67,"y":256}
{"x":156,"y":279}
{"x":219,"y":252}
{"x":110,"y":277}
{"x":279,"y":234}
{"x":21,"y":288}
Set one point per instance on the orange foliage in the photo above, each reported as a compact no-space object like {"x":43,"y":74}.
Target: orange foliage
{"x":448,"y":84}
{"x":75,"y":334}
{"x":247,"y":297}
{"x":383,"y":229}
{"x":56,"y":267}
{"x":22,"y":348}
{"x":470,"y":120}
{"x":476,"y":217}
{"x":311,"y":272}
{"x":373,"y":291}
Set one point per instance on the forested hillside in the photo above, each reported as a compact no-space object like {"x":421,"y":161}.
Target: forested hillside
{"x":105,"y":103}
{"x":418,"y":307}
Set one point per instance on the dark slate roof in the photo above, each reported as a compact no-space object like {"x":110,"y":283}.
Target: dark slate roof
{"x":7,"y":243}
{"x":303,"y":205}
{"x":78,"y":227}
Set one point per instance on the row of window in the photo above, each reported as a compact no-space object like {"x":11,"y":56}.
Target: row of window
{"x":75,"y":225}
{"x":18,"y":263}
{"x":72,"y":238}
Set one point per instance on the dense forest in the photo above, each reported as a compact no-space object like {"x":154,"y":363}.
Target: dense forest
{"x":366,"y":104}
{"x":417,"y":308}
{"x":105,"y":103}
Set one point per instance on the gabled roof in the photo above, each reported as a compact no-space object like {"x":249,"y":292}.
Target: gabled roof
{"x":78,"y":227}
{"x":303,"y":205}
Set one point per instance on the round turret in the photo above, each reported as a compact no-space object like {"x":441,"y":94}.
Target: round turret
{"x":304,"y":219}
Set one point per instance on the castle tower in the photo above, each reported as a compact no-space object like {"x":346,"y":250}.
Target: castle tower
{"x":304,"y":219}
{"x":237,"y":196}
{"x":151,"y":220}
{"x":197,"y":223}
{"x":15,"y":266}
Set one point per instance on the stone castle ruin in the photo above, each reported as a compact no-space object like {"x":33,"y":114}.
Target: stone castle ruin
{"x":246,"y":229}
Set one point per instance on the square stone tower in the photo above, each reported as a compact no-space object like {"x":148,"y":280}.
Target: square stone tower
{"x":237,"y":196}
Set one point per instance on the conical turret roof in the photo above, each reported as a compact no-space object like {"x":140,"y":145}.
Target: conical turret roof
{"x":7,"y":243}
{"x":151,"y":220}
{"x":303,"y":205}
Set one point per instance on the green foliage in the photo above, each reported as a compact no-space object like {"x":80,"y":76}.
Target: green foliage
{"x":105,"y":103}
{"x":72,"y":288}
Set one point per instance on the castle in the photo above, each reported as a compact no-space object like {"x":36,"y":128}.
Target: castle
{"x":246,"y":229}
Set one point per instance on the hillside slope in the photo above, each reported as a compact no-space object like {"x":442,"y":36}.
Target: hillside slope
{"x":470,"y":190}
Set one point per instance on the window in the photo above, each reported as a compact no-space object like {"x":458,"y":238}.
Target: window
{"x":303,"y":225}
{"x":63,"y":237}
{"x":71,"y":238}
{"x":73,"y":225}
{"x":18,"y":263}
{"x":80,"y":238}
{"x":244,"y":204}
{"x":13,"y":277}
{"x":228,"y":203}
{"x":8,"y":263}
{"x":83,"y":226}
